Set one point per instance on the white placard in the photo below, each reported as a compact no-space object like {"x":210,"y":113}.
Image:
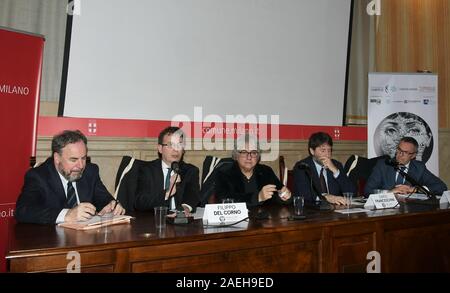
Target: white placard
{"x":381,"y":201}
{"x":226,"y":213}
{"x":445,"y":198}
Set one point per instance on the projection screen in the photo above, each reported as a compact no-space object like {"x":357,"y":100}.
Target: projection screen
{"x":156,"y":59}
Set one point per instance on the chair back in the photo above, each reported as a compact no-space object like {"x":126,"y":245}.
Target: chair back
{"x":127,"y":181}
{"x":286,"y":175}
{"x":211,"y":167}
{"x":358,"y":170}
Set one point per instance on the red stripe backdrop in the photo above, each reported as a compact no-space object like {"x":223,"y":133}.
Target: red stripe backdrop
{"x":49,"y":126}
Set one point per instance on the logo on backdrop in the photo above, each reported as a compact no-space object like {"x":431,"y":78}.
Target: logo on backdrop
{"x":14,"y":90}
{"x":92,"y":127}
{"x":218,"y":133}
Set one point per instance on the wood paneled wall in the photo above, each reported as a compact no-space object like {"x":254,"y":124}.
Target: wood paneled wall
{"x":414,"y":35}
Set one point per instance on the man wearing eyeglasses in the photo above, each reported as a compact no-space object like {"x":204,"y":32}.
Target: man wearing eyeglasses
{"x":158,"y":184}
{"x":319,"y":173}
{"x":249,"y":181}
{"x":384,"y":176}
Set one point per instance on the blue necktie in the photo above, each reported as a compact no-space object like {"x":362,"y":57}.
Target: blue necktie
{"x":400,"y":179}
{"x":71,"y":196}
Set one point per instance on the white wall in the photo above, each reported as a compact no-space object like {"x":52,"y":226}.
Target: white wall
{"x":155,"y":59}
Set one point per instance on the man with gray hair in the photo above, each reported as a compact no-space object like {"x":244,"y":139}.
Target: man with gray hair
{"x":249,"y":181}
{"x":64,"y":188}
{"x":384,"y":176}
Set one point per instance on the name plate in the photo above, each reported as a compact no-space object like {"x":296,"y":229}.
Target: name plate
{"x":445,"y":198}
{"x":381,"y":201}
{"x":225,"y":213}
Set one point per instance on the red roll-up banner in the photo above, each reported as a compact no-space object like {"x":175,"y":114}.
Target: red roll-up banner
{"x":20,"y":78}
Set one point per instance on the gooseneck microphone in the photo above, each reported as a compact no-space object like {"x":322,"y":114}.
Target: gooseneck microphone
{"x":397,"y":166}
{"x":323,"y":205}
{"x":180,"y":217}
{"x":175,"y":166}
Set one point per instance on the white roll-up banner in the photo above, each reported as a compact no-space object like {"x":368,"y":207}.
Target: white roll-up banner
{"x":403,"y":104}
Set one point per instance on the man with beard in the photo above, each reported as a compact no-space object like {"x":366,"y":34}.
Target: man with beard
{"x":64,"y":188}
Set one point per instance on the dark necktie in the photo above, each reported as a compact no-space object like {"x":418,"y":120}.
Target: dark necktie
{"x":71,"y":196}
{"x":167,"y":182}
{"x":323,"y":183}
{"x":400,"y":179}
{"x":167,"y":186}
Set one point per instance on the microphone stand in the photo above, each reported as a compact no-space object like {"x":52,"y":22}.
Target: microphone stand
{"x":431,"y":197}
{"x":322,"y":204}
{"x":171,"y":188}
{"x":180,"y":217}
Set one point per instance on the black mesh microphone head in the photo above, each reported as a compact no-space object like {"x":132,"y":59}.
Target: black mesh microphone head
{"x":175,"y":166}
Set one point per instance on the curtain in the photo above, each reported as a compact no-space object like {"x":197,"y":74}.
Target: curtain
{"x":47,"y":18}
{"x":362,"y":61}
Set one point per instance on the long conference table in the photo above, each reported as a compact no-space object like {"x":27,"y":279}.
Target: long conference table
{"x":411,"y":238}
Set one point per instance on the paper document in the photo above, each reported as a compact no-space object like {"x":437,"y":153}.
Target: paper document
{"x":418,"y":196}
{"x":96,"y":222}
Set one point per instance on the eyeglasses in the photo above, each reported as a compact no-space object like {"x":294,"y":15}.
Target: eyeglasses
{"x":402,"y":152}
{"x":175,"y":146}
{"x":252,"y":154}
{"x":324,"y":149}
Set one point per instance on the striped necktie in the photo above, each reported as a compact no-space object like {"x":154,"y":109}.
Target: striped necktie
{"x":71,"y":201}
{"x":172,"y":206}
{"x":400,"y":179}
{"x":167,"y":182}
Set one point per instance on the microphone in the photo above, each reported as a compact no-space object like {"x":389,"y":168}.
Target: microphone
{"x":180,"y":217}
{"x":393,"y":162}
{"x":175,"y":166}
{"x":323,"y":205}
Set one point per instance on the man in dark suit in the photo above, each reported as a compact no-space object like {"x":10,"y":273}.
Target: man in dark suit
{"x":64,"y":188}
{"x":158,"y":184}
{"x":385,"y":177}
{"x":249,"y":181}
{"x":328,"y":175}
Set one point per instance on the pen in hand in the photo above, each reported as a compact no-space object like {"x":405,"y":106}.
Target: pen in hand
{"x":115,"y":205}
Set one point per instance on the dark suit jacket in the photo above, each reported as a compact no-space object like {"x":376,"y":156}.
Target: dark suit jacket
{"x":230,"y":184}
{"x":383,"y":177}
{"x":151,"y":193}
{"x":302,"y":181}
{"x":43,"y":196}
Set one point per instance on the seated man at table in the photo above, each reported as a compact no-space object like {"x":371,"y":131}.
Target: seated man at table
{"x":64,"y":188}
{"x":159,"y":185}
{"x":384,"y":176}
{"x":249,"y":181}
{"x":319,"y":173}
